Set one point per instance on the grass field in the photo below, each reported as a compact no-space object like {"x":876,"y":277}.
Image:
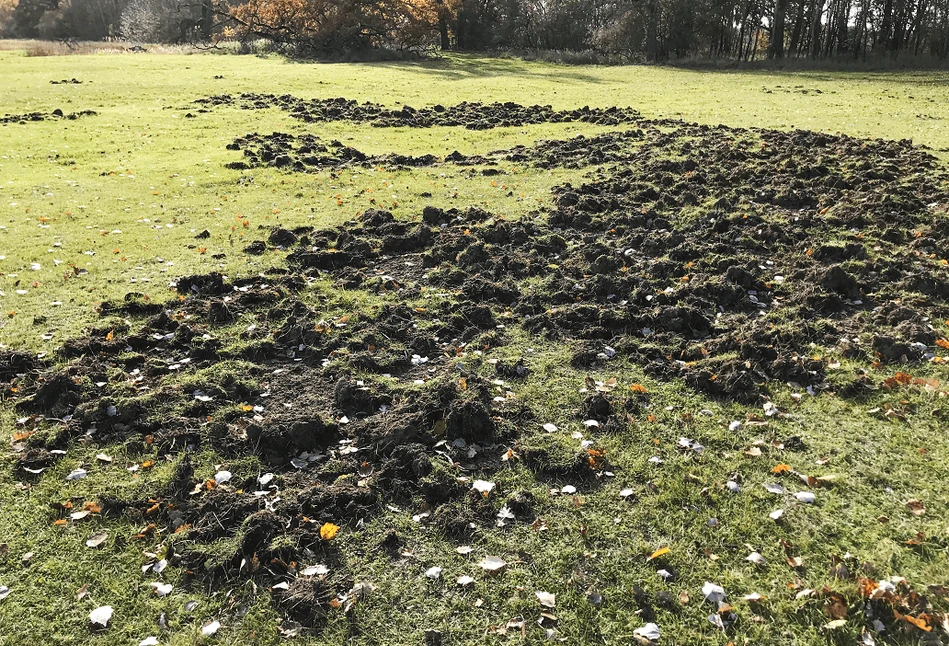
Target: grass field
{"x":94,"y":208}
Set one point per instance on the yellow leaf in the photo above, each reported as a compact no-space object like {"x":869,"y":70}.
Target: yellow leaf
{"x":662,"y":551}
{"x":328,"y":531}
{"x":781,"y":468}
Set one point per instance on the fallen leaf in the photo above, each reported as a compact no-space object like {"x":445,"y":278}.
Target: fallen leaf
{"x":492,"y":564}
{"x":210,"y":628}
{"x":328,"y":531}
{"x":483,"y":487}
{"x":713,"y":593}
{"x":756,"y":558}
{"x":97,"y":539}
{"x":101,"y":616}
{"x":660,"y":552}
{"x":546,"y":599}
{"x":648,"y":633}
{"x":314,"y":570}
{"x":916,"y":507}
{"x":162,"y":589}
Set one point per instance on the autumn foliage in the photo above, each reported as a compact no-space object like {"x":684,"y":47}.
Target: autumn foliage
{"x":340,"y":26}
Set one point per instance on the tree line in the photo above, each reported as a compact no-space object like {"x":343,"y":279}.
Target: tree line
{"x":625,"y":30}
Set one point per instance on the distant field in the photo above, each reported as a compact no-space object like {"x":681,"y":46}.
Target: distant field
{"x":640,"y":344}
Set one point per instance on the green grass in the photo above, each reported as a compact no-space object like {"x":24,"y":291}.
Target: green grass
{"x":112,"y":184}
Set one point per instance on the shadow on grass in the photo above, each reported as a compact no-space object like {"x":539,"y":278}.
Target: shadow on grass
{"x":466,"y":67}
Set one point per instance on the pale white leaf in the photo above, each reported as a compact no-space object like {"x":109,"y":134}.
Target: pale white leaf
{"x":315,"y":570}
{"x":492,"y":564}
{"x":546,"y":599}
{"x":101,"y":616}
{"x":162,"y":589}
{"x":713,"y":593}
{"x":482,"y":486}
{"x":649,"y":632}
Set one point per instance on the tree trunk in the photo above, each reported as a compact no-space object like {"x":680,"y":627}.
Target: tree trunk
{"x":776,"y":50}
{"x":652,"y":30}
{"x":798,"y":29}
{"x":443,"y":24}
{"x":817,"y":9}
{"x":883,"y":38}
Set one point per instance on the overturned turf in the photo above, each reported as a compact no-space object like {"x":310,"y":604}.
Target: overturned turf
{"x":729,"y":259}
{"x":45,"y":116}
{"x":470,"y":115}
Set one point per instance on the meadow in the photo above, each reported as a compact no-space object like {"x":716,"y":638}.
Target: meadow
{"x":449,"y":384}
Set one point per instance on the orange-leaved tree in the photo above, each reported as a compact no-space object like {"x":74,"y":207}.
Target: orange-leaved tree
{"x":339,"y":26}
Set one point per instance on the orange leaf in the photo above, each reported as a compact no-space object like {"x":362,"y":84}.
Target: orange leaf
{"x":919,"y":622}
{"x":110,"y":335}
{"x":942,"y":343}
{"x":328,"y":531}
{"x":660,"y":552}
{"x":781,"y":468}
{"x":60,"y":522}
{"x":638,"y":388}
{"x":145,"y":531}
{"x":147,"y":464}
{"x":867,"y":586}
{"x":21,"y":435}
{"x":903,"y":378}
